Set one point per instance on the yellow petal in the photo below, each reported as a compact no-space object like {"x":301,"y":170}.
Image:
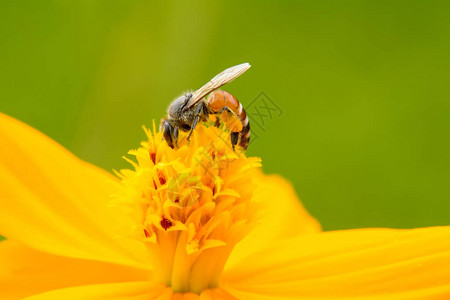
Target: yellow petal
{"x":138,"y":290}
{"x":283,"y":216}
{"x":25,"y":272}
{"x":352,"y":264}
{"x":209,"y":294}
{"x":54,"y":202}
{"x":216,"y":294}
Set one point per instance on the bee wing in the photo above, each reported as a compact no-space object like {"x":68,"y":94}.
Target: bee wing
{"x":220,"y":79}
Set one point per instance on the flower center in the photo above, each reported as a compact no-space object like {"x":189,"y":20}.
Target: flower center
{"x":192,"y":204}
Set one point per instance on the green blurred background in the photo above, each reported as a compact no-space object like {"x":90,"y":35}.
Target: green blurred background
{"x":363,"y":87}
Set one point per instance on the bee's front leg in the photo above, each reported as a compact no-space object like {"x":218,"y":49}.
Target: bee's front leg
{"x":175,"y":136}
{"x":169,"y":132}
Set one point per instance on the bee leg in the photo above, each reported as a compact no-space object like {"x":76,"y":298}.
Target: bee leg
{"x":197,"y":114}
{"x":168,"y":131}
{"x":217,"y":122}
{"x":234,"y":138}
{"x":175,"y":136}
{"x":233,"y":135}
{"x":228,"y":110}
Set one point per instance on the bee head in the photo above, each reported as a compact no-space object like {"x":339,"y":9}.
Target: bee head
{"x":176,"y":107}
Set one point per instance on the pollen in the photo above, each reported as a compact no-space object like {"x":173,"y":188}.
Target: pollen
{"x":191,"y":204}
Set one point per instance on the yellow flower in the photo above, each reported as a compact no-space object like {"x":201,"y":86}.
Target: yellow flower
{"x":200,"y":222}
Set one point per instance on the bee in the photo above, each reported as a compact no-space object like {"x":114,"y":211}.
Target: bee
{"x":186,"y":111}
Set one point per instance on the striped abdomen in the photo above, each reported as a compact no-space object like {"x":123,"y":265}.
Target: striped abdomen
{"x":221,"y":101}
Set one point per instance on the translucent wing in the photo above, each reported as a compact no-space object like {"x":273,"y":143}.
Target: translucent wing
{"x":220,"y":79}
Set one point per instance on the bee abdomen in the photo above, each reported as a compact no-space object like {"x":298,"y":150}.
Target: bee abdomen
{"x":220,"y":100}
